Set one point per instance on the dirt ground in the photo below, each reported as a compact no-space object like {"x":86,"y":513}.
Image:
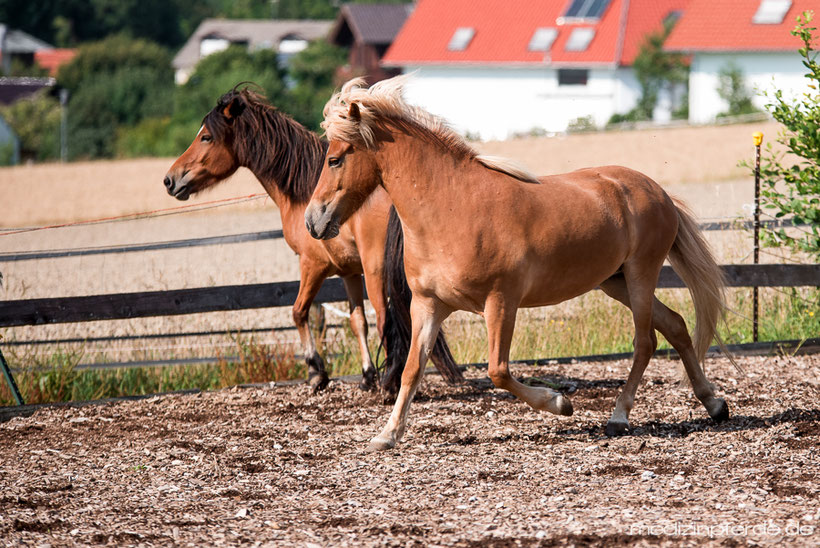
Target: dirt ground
{"x":279,"y":466}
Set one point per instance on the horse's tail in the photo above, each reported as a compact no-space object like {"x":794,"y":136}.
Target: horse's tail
{"x":397,"y":325}
{"x":691,"y":258}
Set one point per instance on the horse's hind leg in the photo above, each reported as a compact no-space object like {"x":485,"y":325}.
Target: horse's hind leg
{"x":311,"y":278}
{"x":358,"y":323}
{"x":672,"y":326}
{"x":640,"y":286}
{"x":500,"y":319}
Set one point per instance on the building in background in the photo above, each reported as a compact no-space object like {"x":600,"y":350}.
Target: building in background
{"x":9,"y":145}
{"x":367,"y":30}
{"x":750,"y":35}
{"x":496,"y":69}
{"x":287,"y":37}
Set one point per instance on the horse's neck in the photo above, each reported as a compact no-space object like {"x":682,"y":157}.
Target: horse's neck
{"x":426,"y":183}
{"x":292,"y":214}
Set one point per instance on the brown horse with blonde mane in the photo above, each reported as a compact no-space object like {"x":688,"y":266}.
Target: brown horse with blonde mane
{"x":483,"y":235}
{"x":245,"y":130}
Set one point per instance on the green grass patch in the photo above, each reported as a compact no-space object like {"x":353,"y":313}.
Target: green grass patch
{"x":590,"y":324}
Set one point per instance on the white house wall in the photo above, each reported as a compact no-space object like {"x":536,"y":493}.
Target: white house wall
{"x":495,"y":103}
{"x":762,"y":72}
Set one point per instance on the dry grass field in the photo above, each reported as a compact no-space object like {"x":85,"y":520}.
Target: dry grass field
{"x":698,"y":164}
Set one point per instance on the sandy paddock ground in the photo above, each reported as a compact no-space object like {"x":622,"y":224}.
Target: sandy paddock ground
{"x":697,"y":164}
{"x":277,"y":466}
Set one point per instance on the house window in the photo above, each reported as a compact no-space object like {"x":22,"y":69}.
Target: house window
{"x":586,"y":9}
{"x":542,"y":39}
{"x":461,"y":39}
{"x":579,"y":39}
{"x":771,"y":12}
{"x":212,"y":44}
{"x":573,"y":77}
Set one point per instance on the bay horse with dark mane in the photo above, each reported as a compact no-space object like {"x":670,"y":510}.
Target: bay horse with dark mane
{"x":486,"y":236}
{"x":244,"y":130}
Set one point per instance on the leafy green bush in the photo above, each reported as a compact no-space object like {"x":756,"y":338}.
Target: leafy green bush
{"x":36,"y":121}
{"x":313,"y":70}
{"x":219,"y":72}
{"x":791,"y":180}
{"x":117,"y":81}
{"x":732,"y":89}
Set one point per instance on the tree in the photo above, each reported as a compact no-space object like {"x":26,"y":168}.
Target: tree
{"x":732,"y":89}
{"x":791,"y":180}
{"x":656,"y":68}
{"x":36,"y":121}
{"x":117,"y":81}
{"x":313,"y":70}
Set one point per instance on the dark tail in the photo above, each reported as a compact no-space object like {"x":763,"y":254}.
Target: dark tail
{"x":397,"y":324}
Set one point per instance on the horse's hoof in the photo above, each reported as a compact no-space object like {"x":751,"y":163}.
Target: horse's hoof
{"x":368,"y":382}
{"x":318,"y":381}
{"x":614,"y":429}
{"x":381,"y":443}
{"x":720,"y":412}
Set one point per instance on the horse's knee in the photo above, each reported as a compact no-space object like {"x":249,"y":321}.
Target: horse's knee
{"x":300,"y":315}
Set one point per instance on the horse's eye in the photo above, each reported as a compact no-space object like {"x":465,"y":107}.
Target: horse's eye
{"x":207,"y":138}
{"x":334,"y":162}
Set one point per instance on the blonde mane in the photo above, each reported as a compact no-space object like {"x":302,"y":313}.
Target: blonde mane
{"x":382,"y":103}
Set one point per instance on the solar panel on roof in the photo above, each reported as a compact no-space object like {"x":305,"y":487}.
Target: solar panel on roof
{"x":771,"y":12}
{"x":586,"y":9}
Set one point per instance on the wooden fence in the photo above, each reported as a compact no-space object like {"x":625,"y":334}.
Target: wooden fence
{"x":239,"y":297}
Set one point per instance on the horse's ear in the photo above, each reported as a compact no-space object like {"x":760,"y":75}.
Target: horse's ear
{"x":234,"y":108}
{"x":353,"y":112}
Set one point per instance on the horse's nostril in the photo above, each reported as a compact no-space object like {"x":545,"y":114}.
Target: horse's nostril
{"x":168,"y":183}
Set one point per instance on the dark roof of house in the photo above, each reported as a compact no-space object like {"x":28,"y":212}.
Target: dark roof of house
{"x":267,"y":33}
{"x":370,"y":23}
{"x":17,"y":41}
{"x":19,"y":87}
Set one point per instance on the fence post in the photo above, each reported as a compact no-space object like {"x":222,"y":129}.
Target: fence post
{"x":758,"y":140}
{"x":10,"y":380}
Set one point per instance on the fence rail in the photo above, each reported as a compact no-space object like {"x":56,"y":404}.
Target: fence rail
{"x":10,"y":257}
{"x":239,"y":297}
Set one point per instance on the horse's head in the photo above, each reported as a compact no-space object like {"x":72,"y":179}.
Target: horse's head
{"x":210,"y":158}
{"x":349,"y":176}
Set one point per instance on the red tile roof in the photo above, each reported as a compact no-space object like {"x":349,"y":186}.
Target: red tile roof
{"x":726,"y":25}
{"x":503,"y":31}
{"x":52,"y":59}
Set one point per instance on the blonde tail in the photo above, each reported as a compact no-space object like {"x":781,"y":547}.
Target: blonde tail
{"x":691,"y":258}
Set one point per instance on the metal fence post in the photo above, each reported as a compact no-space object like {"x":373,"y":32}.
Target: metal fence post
{"x":758,"y":140}
{"x":10,"y":380}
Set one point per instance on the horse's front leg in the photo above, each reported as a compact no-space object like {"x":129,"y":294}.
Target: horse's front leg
{"x":427,"y":315}
{"x":500,"y":318}
{"x":358,"y":323}
{"x":311,"y":277}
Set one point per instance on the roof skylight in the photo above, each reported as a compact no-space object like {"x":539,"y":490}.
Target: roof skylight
{"x":579,"y":39}
{"x":771,"y":12}
{"x":461,"y":39}
{"x":542,"y":39}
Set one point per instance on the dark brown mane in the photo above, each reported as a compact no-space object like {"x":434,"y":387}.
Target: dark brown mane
{"x":270,"y":143}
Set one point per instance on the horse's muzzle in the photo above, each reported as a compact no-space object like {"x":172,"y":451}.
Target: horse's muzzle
{"x":182,"y":192}
{"x":321,"y":223}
